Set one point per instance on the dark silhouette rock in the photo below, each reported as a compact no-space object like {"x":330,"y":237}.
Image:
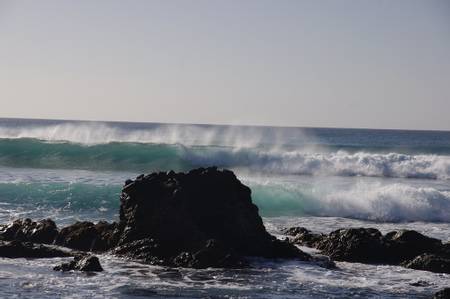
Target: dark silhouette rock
{"x":304,"y":237}
{"x":88,"y":236}
{"x":182,"y":211}
{"x":362,"y":245}
{"x":18,"y":249}
{"x":429,"y":262}
{"x":367,"y":245}
{"x":213,"y":254}
{"x":87,"y":263}
{"x":146,"y":250}
{"x":442,"y":294}
{"x":406,"y":244}
{"x":43,"y":231}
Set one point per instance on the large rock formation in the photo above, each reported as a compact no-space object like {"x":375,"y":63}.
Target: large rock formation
{"x":201,"y":218}
{"x":367,"y":245}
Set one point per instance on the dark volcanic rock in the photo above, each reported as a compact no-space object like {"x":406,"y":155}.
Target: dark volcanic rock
{"x":183,"y":211}
{"x":147,"y":250}
{"x":442,"y":294}
{"x":406,"y":244}
{"x":367,"y":245}
{"x":81,"y":263}
{"x":88,"y":236}
{"x":304,"y":237}
{"x":43,"y":231}
{"x":362,"y":245}
{"x":18,"y":249}
{"x":429,"y":262}
{"x":213,"y":254}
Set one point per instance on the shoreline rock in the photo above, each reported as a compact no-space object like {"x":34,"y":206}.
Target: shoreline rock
{"x":87,"y":263}
{"x":188,"y":216}
{"x":19,"y":249}
{"x":406,"y":248}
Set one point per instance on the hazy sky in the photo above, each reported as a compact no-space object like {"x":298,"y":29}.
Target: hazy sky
{"x":378,"y":64}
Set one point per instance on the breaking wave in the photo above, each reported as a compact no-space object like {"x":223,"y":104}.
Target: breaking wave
{"x":139,"y":157}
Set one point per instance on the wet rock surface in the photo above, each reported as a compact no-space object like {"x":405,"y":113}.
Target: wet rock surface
{"x":88,"y":236}
{"x":19,"y":249}
{"x":187,"y":216}
{"x":367,"y":245}
{"x":43,"y":231}
{"x":429,"y":262}
{"x":86,"y":263}
{"x":442,"y":294}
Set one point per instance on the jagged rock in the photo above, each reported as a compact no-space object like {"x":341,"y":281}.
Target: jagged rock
{"x":146,"y":250}
{"x":442,"y":294}
{"x":182,"y":211}
{"x":406,"y":244}
{"x":367,"y":245}
{"x":88,"y":263}
{"x":304,"y":237}
{"x":354,"y":245}
{"x":213,"y":254}
{"x":43,"y":231}
{"x":18,"y":249}
{"x":429,"y":262}
{"x":88,"y":236}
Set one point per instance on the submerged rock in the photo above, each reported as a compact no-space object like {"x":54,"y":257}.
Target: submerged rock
{"x":87,"y":263}
{"x":182,"y":212}
{"x":18,"y":249}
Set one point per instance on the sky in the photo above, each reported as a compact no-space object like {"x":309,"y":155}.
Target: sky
{"x":347,"y":63}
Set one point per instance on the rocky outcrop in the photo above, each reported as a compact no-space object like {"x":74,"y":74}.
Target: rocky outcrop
{"x":354,"y":245}
{"x":429,"y":262}
{"x":304,"y":237}
{"x":442,"y":294}
{"x":86,"y":263}
{"x":203,"y":218}
{"x":367,"y":245}
{"x":88,"y":236}
{"x":43,"y":231}
{"x":18,"y":249}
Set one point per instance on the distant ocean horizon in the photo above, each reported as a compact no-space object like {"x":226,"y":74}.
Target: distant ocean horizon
{"x":319,"y":178}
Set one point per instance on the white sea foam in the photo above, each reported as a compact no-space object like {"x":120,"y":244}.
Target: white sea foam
{"x":340,"y":163}
{"x":368,"y":199}
{"x":395,"y":202}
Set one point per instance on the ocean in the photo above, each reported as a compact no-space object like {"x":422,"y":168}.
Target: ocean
{"x":319,"y":178}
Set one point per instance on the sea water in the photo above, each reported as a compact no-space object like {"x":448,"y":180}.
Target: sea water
{"x":319,"y":178}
